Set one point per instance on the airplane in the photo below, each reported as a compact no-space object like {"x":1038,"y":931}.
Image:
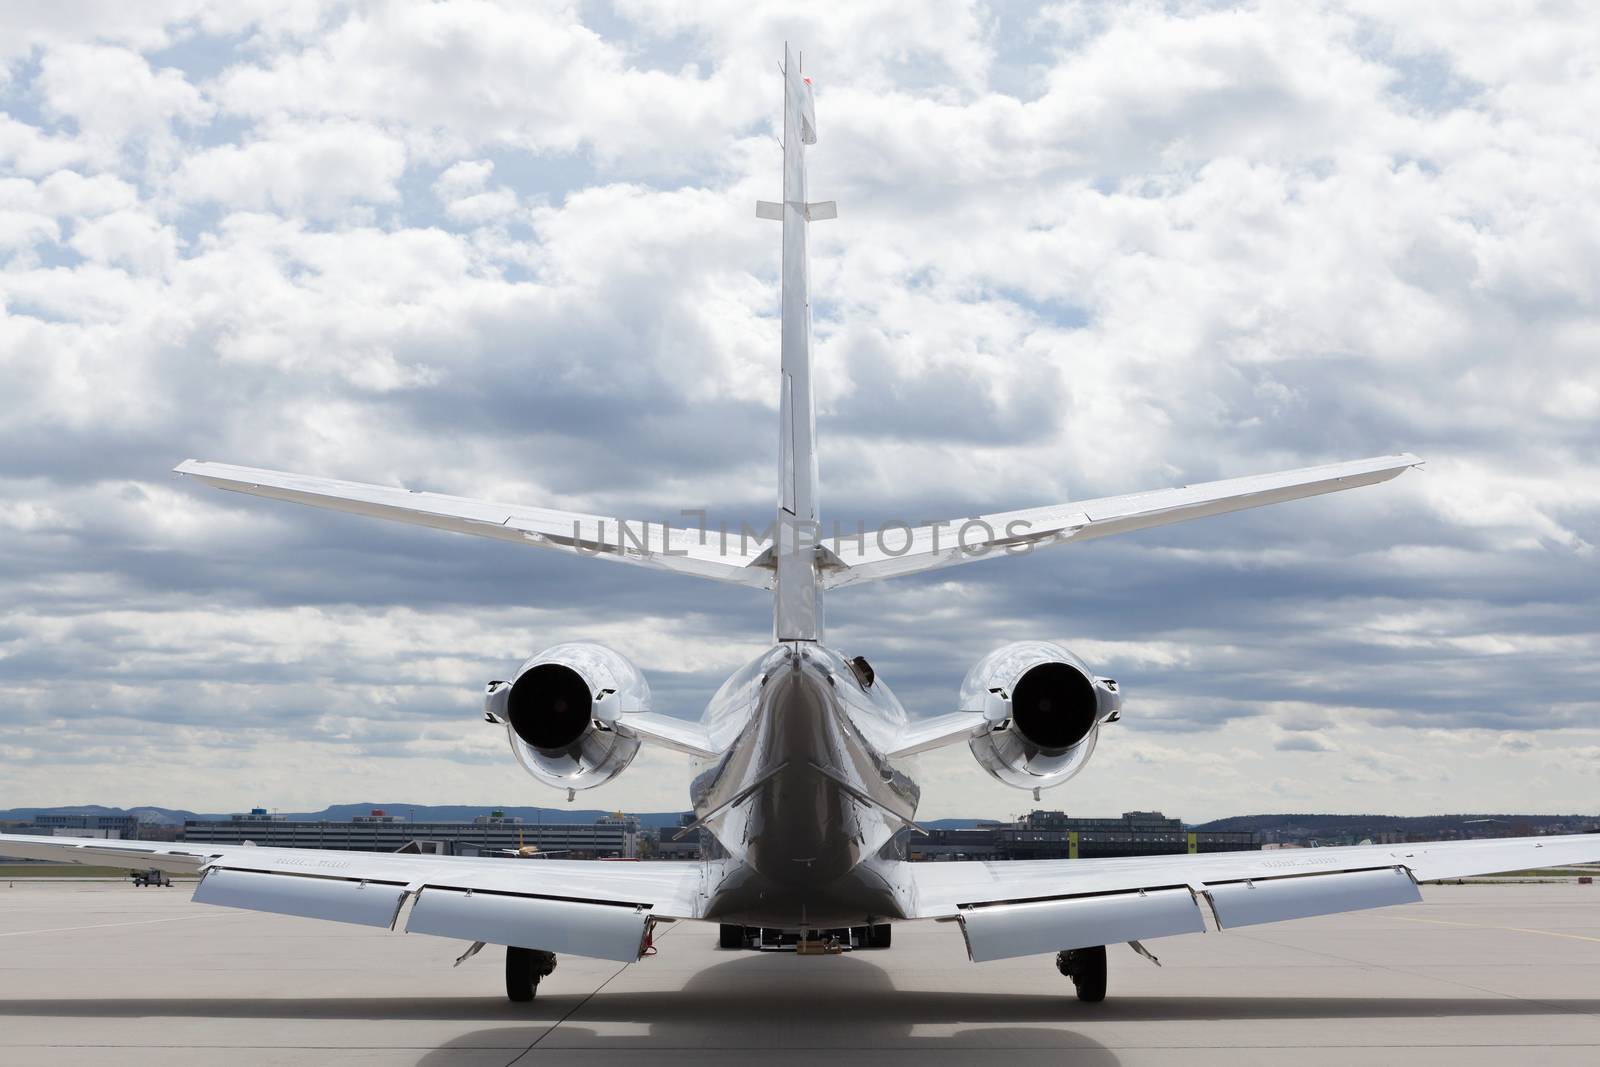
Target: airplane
{"x":526,"y":851}
{"x":804,"y":766}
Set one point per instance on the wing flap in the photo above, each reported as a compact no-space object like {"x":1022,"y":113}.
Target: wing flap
{"x":1278,"y":899}
{"x":601,"y":931}
{"x":1004,"y":931}
{"x":334,"y":899}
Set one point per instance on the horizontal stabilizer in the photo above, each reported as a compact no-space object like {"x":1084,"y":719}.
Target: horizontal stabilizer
{"x":641,"y":542}
{"x":895,"y":551}
{"x":814,"y":212}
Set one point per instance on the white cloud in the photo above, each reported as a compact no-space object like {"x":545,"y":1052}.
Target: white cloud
{"x":463,"y":188}
{"x":25,"y":229}
{"x":26,"y":150}
{"x":129,"y":239}
{"x":492,"y":249}
{"x":319,"y":170}
{"x":113,"y":96}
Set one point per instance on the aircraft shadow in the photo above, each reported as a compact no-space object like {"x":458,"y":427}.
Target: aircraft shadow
{"x":893,"y":1007}
{"x":905,"y":1008}
{"x":743,"y":1005}
{"x":746,"y":1002}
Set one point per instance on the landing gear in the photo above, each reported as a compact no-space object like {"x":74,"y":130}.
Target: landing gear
{"x":1087,"y":969}
{"x":878,"y":935}
{"x":524,"y":968}
{"x":730,"y":936}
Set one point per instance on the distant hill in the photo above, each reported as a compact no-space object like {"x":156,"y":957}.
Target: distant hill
{"x":168,"y":816}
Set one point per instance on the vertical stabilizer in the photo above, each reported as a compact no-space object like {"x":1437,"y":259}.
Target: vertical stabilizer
{"x":797,"y":612}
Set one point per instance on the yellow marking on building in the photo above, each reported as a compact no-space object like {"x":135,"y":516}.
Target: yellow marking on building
{"x":1072,"y":844}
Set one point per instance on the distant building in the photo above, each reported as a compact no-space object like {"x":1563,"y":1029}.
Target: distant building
{"x":606,"y":838}
{"x":75,"y":825}
{"x":256,"y":815}
{"x":679,"y":842}
{"x":1055,"y":835}
{"x":377,"y":815}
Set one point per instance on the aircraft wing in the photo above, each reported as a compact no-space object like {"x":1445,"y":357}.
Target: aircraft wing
{"x":894,"y":551}
{"x":647,"y":543}
{"x":1027,"y":907}
{"x":584,"y":907}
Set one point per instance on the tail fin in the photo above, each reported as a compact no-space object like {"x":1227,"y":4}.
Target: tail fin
{"x":797,"y":608}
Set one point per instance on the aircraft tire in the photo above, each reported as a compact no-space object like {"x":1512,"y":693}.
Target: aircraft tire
{"x":522,"y":977}
{"x":1087,"y":969}
{"x":879,"y":935}
{"x":730,"y":936}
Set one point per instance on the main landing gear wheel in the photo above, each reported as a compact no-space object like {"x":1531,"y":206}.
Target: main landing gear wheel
{"x":1087,"y":969}
{"x":730,"y":936}
{"x":879,"y":935}
{"x":524,"y":968}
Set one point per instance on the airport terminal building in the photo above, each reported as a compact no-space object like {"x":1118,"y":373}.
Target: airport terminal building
{"x":1038,"y":835}
{"x":1041,"y":835}
{"x":609,"y":837}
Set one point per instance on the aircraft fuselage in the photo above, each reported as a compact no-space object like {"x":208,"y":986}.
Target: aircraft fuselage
{"x":803,"y":799}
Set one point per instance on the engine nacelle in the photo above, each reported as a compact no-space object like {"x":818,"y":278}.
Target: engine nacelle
{"x":1044,"y":707}
{"x":560,"y":712}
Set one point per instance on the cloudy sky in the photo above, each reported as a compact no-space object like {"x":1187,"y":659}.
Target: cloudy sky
{"x":510,"y":251}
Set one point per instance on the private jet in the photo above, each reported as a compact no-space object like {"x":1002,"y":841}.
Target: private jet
{"x":804,"y":761}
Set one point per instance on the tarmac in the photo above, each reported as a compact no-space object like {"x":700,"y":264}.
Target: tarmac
{"x":103,"y":973}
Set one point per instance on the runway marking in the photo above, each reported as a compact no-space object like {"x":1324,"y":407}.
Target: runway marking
{"x":99,"y":926}
{"x":1510,"y":929}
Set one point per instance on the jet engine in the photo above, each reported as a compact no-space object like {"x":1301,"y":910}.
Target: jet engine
{"x":1044,"y":708}
{"x":560,"y":712}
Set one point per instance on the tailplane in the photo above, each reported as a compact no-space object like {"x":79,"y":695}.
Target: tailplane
{"x":800,"y":561}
